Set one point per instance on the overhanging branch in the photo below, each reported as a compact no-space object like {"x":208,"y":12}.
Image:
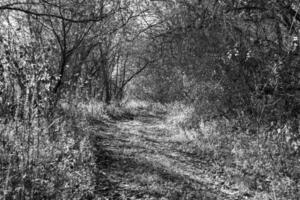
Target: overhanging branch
{"x":12,"y":7}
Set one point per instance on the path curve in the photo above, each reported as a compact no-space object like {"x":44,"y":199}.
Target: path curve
{"x":139,"y":159}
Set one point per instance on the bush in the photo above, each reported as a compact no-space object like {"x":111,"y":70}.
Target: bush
{"x":47,"y":160}
{"x":262,"y":159}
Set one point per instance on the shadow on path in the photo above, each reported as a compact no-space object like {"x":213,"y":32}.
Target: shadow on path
{"x":135,"y":161}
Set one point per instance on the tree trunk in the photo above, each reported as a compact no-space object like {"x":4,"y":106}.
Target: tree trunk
{"x":105,"y":73}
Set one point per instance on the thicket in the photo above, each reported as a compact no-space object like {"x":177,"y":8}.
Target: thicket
{"x":55,"y":57}
{"x":235,"y":63}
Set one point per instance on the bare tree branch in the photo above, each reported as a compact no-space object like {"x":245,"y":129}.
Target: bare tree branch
{"x":12,"y":7}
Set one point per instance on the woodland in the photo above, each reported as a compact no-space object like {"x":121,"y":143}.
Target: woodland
{"x":150,"y":99}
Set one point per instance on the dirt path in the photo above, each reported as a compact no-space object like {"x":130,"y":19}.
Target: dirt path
{"x":138,"y":159}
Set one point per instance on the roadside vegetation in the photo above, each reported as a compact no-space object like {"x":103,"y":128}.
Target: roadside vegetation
{"x":149,"y":99}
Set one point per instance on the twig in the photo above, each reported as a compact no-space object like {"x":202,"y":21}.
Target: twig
{"x":274,"y":192}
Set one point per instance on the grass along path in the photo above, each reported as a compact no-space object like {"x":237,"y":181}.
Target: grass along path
{"x":145,"y":158}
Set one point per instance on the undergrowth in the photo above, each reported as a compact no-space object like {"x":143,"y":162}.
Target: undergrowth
{"x":42,"y":159}
{"x":53,"y":159}
{"x":260,"y":162}
{"x":46,"y":161}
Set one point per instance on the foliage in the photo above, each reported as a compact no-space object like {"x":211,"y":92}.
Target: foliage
{"x":223,"y":73}
{"x":35,"y":166}
{"x":260,"y":164}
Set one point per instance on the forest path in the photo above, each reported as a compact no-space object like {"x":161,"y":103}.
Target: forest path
{"x":139,"y":159}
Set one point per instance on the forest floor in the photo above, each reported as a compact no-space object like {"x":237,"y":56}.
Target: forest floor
{"x":143,"y":158}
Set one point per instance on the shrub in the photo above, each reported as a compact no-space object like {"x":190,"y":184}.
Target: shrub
{"x":42,"y":160}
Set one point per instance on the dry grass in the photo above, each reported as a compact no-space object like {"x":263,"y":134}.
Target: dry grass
{"x":38,"y":164}
{"x":245,"y":159}
{"x":94,"y":151}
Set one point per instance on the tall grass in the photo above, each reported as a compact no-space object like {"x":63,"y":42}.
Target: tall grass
{"x":42,"y":159}
{"x":52,"y":158}
{"x":255,"y":159}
